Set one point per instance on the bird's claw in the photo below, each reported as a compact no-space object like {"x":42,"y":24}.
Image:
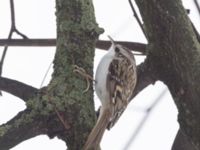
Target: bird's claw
{"x":83,"y":73}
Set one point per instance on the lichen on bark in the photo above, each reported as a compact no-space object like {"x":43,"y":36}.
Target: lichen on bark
{"x":77,"y":32}
{"x":174,"y":52}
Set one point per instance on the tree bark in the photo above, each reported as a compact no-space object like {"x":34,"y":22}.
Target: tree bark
{"x":77,"y":32}
{"x":174,"y":52}
{"x":181,"y":142}
{"x":61,"y":109}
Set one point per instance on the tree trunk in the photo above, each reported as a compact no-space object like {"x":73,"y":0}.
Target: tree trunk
{"x":174,"y":54}
{"x":62,"y":108}
{"x":77,"y":32}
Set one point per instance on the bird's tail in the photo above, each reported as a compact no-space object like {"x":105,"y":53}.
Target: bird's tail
{"x":97,"y":132}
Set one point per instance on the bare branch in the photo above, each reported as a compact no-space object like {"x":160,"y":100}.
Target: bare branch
{"x":101,"y":44}
{"x":137,"y":18}
{"x":17,"y":88}
{"x":13,"y":26}
{"x":144,"y":119}
{"x":28,"y":42}
{"x":12,"y":30}
{"x":181,"y":142}
{"x":197,"y":5}
{"x":38,"y":118}
{"x":146,"y":76}
{"x":138,"y":47}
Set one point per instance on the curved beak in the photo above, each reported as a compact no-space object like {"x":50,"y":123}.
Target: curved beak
{"x":111,"y":40}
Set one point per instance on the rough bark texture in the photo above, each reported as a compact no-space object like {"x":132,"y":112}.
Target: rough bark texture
{"x":182,"y":142}
{"x":175,"y":54}
{"x":17,"y":88}
{"x":77,"y":33}
{"x":61,"y":109}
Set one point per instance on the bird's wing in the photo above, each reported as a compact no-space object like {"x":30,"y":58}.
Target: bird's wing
{"x":121,"y":81}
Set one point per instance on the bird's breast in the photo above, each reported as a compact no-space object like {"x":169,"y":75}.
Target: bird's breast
{"x":101,"y":78}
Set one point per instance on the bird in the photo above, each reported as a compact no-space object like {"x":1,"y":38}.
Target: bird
{"x":115,"y":80}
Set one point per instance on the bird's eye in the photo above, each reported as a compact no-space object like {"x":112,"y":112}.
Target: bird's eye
{"x":117,"y":50}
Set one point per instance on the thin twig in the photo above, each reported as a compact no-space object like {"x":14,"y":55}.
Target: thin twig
{"x":12,"y":11}
{"x":137,"y":18}
{"x":195,"y":32}
{"x":197,"y":5}
{"x":144,"y":119}
{"x":4,"y":53}
{"x":13,"y":25}
{"x":101,"y":44}
{"x":12,"y":30}
{"x":46,"y":73}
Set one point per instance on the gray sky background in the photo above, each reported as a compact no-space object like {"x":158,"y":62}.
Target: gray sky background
{"x":36,"y":19}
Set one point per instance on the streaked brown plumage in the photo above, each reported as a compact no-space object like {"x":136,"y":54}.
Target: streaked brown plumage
{"x":115,"y":81}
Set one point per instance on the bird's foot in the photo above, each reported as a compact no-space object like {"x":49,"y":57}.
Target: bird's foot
{"x":83,"y":73}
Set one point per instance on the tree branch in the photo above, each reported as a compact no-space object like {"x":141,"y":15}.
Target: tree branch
{"x":145,"y":76}
{"x":17,"y":88}
{"x":101,"y":44}
{"x":197,"y":5}
{"x":19,"y":129}
{"x":181,"y":142}
{"x":175,"y":55}
{"x":138,"y":47}
{"x":137,"y":18}
{"x":12,"y":30}
{"x":28,"y":42}
{"x":40,"y":117}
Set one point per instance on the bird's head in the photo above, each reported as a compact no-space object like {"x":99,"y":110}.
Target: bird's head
{"x":118,"y":49}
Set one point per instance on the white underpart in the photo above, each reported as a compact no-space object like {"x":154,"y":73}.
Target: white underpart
{"x":101,"y":75}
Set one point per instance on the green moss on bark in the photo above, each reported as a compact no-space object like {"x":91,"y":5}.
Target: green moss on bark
{"x":175,"y":54}
{"x":77,"y":32}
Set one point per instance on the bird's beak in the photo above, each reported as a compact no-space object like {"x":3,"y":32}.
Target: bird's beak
{"x":112,"y":41}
